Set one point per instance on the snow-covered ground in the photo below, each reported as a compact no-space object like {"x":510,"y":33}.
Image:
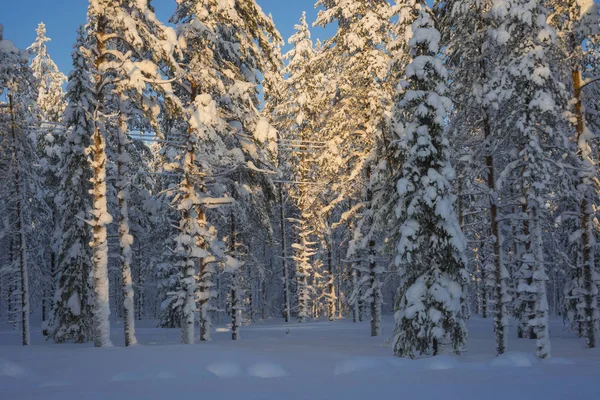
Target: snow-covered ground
{"x":319,"y":360}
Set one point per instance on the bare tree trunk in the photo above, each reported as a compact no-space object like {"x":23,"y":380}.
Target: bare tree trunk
{"x":590,"y":296}
{"x":189,"y":264}
{"x":375,"y":292}
{"x":339,"y":286}
{"x":500,"y":273}
{"x":361,"y":302}
{"x":100,"y":216}
{"x":235,"y":289}
{"x":286,"y":279}
{"x":22,"y":239}
{"x":330,"y":283}
{"x":125,"y":238}
{"x":205,"y":285}
{"x":539,"y":280}
{"x":355,"y":311}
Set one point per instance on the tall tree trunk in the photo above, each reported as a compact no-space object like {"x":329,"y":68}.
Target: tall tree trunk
{"x":375,"y":292}
{"x":589,"y":297}
{"x":22,"y":239}
{"x":189,"y":216}
{"x":539,"y":280}
{"x":355,"y":289}
{"x":286,"y":279}
{"x":205,"y":286}
{"x":339,"y":286}
{"x":23,"y":264}
{"x":500,"y":273}
{"x":361,"y":302}
{"x":331,"y":283}
{"x":125,"y":238}
{"x":466,"y":301}
{"x":236,"y":317}
{"x":100,"y":216}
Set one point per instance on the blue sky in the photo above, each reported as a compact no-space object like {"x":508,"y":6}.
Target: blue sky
{"x":62,"y":17}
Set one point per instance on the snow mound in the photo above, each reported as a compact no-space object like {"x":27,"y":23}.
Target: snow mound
{"x":356,"y":364}
{"x":10,"y":369}
{"x":224,"y":369}
{"x":399,"y":362}
{"x":438,"y":363}
{"x":266,"y":370}
{"x":514,"y":359}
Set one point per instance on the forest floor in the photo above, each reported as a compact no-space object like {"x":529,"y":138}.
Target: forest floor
{"x":317,"y":360}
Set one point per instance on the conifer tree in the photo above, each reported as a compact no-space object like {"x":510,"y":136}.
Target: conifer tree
{"x":72,"y":318}
{"x":50,"y":106}
{"x":51,"y":102}
{"x":430,"y":251}
{"x":132,"y":51}
{"x":357,"y":61}
{"x":577,"y":28}
{"x":471,"y":57}
{"x":522,"y":34}
{"x":22,"y":194}
{"x":228,"y":46}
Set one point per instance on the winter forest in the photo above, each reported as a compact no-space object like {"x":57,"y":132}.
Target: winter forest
{"x":426,"y":174}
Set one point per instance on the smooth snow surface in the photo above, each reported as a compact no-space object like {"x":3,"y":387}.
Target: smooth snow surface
{"x":316,"y":360}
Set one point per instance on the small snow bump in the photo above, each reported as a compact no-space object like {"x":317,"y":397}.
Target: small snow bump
{"x":10,"y":369}
{"x":356,"y":364}
{"x":439,"y":362}
{"x":224,"y":369}
{"x":559,"y":361}
{"x":514,"y":359}
{"x":266,"y":370}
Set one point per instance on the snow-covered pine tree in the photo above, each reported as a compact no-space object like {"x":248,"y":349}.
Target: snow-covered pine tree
{"x":470,"y":55}
{"x":132,"y":51}
{"x":576,"y":22}
{"x":534,"y":102}
{"x":17,"y":90}
{"x":51,"y":102}
{"x":228,"y":47}
{"x":50,"y":106}
{"x":357,"y":62}
{"x":431,"y":249}
{"x":72,"y":317}
{"x":205,"y":153}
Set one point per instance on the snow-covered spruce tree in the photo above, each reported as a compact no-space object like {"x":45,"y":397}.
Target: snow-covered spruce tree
{"x":470,"y":55}
{"x":534,"y":102}
{"x":17,"y":90}
{"x":131,"y":52}
{"x":51,"y":103}
{"x":72,"y":317}
{"x":576,"y":23}
{"x":431,"y":249}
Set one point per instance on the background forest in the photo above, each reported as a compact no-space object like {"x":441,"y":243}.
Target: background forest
{"x":429,"y":160}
